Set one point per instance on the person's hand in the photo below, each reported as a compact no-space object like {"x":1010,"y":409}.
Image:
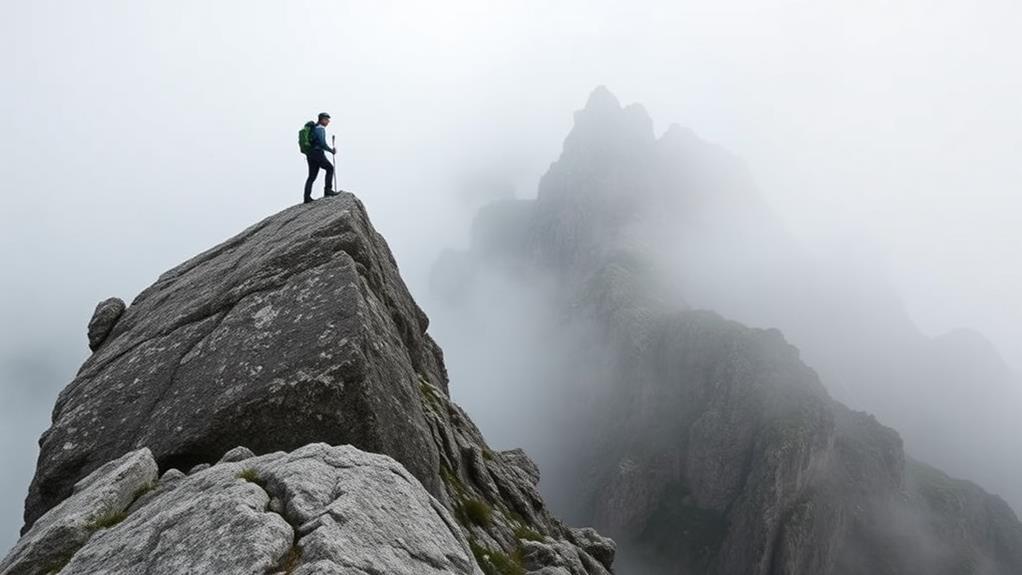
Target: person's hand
{"x":333,"y":151}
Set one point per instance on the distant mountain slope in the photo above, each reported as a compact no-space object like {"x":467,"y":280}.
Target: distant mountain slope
{"x":703,"y":445}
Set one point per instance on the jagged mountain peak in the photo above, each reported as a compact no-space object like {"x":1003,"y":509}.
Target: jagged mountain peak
{"x":603,"y":127}
{"x":602,"y":99}
{"x":703,"y":445}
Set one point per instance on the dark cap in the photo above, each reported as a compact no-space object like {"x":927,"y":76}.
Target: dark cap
{"x":324,"y":115}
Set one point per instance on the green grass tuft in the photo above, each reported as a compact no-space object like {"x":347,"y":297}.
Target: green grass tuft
{"x":475,"y":512}
{"x":429,"y":393}
{"x":142,"y":490}
{"x":497,"y":562}
{"x":523,"y":532}
{"x":250,"y":475}
{"x":452,"y":480}
{"x":291,"y":560}
{"x":107,"y":520}
{"x":58,"y":564}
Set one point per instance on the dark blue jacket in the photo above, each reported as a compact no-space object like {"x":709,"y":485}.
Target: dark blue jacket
{"x":318,"y":138}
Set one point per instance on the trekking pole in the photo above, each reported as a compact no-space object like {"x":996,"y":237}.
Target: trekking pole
{"x":333,"y":144}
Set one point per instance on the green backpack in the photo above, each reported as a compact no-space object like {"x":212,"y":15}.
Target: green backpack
{"x":305,"y":137}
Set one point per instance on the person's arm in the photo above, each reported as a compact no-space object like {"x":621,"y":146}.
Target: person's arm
{"x":320,"y":143}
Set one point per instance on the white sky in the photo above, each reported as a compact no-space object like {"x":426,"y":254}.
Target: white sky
{"x":135,"y":134}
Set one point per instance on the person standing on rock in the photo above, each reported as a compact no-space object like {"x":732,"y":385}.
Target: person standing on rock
{"x":312,"y":142}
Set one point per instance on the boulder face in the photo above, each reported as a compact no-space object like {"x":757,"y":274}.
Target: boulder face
{"x":700,"y":444}
{"x":103,"y":319}
{"x":318,"y":509}
{"x":100,"y":498}
{"x":298,"y":331}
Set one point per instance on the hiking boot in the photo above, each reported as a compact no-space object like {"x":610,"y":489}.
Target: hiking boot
{"x":307,"y":200}
{"x":330,"y":193}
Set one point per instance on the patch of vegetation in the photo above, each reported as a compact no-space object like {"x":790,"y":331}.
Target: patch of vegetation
{"x":58,"y":564}
{"x":107,"y":520}
{"x":142,"y":490}
{"x":476,"y":512}
{"x":429,"y":393}
{"x":291,"y":560}
{"x":452,"y":480}
{"x":488,"y":455}
{"x":497,"y":562}
{"x":523,"y":532}
{"x":515,"y":516}
{"x":251,"y":475}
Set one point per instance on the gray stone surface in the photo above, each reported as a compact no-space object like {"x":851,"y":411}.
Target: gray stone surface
{"x":297,"y":330}
{"x":547,"y":558}
{"x":171,"y":475}
{"x":295,"y":334}
{"x":345,"y":511}
{"x":97,"y":500}
{"x":103,"y":319}
{"x":366,"y":513}
{"x":521,"y":460}
{"x":599,"y":547}
{"x":237,"y":454}
{"x":505,"y":484}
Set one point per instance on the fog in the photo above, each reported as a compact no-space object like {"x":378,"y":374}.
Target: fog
{"x":884,"y":136}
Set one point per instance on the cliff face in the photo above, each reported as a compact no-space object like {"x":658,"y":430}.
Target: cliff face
{"x":702,"y":445}
{"x":298,"y":331}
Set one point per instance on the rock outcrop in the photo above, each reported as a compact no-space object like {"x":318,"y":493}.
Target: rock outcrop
{"x":318,"y":509}
{"x":103,"y":319}
{"x":296,"y":333}
{"x":700,"y":444}
{"x":98,"y":499}
{"x":298,"y":330}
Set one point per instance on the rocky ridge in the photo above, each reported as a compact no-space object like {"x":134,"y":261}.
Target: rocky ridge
{"x":296,"y":335}
{"x":711,"y":447}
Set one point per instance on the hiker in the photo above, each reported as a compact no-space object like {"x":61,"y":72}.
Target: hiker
{"x":312,"y":142}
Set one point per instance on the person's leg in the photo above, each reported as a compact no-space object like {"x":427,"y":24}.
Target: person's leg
{"x":328,"y":184}
{"x":313,"y":172}
{"x":324,"y":163}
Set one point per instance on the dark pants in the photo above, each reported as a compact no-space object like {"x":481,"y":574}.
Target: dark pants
{"x":317,"y":159}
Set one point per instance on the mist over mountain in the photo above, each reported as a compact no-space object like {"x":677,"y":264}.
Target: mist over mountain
{"x":577,"y":313}
{"x":848,"y":175}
